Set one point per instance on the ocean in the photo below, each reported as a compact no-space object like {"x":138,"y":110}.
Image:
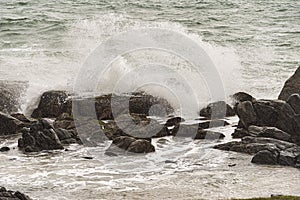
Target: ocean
{"x":254,"y":45}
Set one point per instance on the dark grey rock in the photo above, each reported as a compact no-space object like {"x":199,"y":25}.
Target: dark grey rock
{"x":246,"y":113}
{"x":265,"y":157}
{"x":4,"y":149}
{"x":51,"y":104}
{"x":294,"y":102}
{"x":291,"y":86}
{"x":9,"y":125}
{"x":217,"y":110}
{"x":11,"y":195}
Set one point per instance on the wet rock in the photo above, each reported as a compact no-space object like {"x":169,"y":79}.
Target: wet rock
{"x":270,"y":113}
{"x":265,"y":157}
{"x":294,"y":102}
{"x":291,"y":86}
{"x":9,"y":125}
{"x":246,"y":113}
{"x":267,"y":150}
{"x":240,"y":133}
{"x":213,"y":123}
{"x":51,"y":105}
{"x":4,"y":149}
{"x":242,"y":96}
{"x":129,"y":144}
{"x":64,"y":121}
{"x":270,"y":132}
{"x":139,"y":103}
{"x":208,"y":135}
{"x":217,"y":110}
{"x":141,"y":146}
{"x":40,"y":136}
{"x":11,"y":195}
{"x":67,"y":136}
{"x":174,"y":121}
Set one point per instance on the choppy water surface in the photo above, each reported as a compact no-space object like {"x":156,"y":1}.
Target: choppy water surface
{"x":254,"y":44}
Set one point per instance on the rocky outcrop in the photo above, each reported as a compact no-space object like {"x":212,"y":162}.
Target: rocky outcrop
{"x":9,"y":125}
{"x":270,"y":113}
{"x":291,"y":86}
{"x":11,"y":195}
{"x":42,"y":136}
{"x":265,"y":150}
{"x":217,"y":110}
{"x":130,"y":144}
{"x":54,"y":103}
{"x":51,"y":105}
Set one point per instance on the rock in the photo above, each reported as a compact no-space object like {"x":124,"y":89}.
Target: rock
{"x":242,"y":96}
{"x":185,"y":130}
{"x":217,"y":110}
{"x":212,"y":124}
{"x":270,"y":113}
{"x":246,"y":113}
{"x":4,"y":149}
{"x":294,"y":102}
{"x":267,"y":150}
{"x":129,"y":144}
{"x":22,"y":118}
{"x":40,"y":136}
{"x":9,"y":125}
{"x":196,"y":132}
{"x":174,"y":121}
{"x":270,"y":132}
{"x":291,"y":86}
{"x":208,"y":135}
{"x":67,"y":136}
{"x":51,"y":105}
{"x":240,"y":133}
{"x":10,"y":195}
{"x":265,"y":157}
{"x":64,"y":121}
{"x":141,"y":146}
{"x":140,"y":103}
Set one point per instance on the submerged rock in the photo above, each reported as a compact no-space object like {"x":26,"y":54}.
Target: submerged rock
{"x":11,"y":195}
{"x":217,"y":110}
{"x":129,"y":144}
{"x":4,"y":149}
{"x":291,"y":86}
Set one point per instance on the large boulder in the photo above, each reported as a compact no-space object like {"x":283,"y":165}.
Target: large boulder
{"x":291,"y":86}
{"x":51,"y":104}
{"x":270,"y":113}
{"x":217,"y":110}
{"x":9,"y":125}
{"x":11,"y":195}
